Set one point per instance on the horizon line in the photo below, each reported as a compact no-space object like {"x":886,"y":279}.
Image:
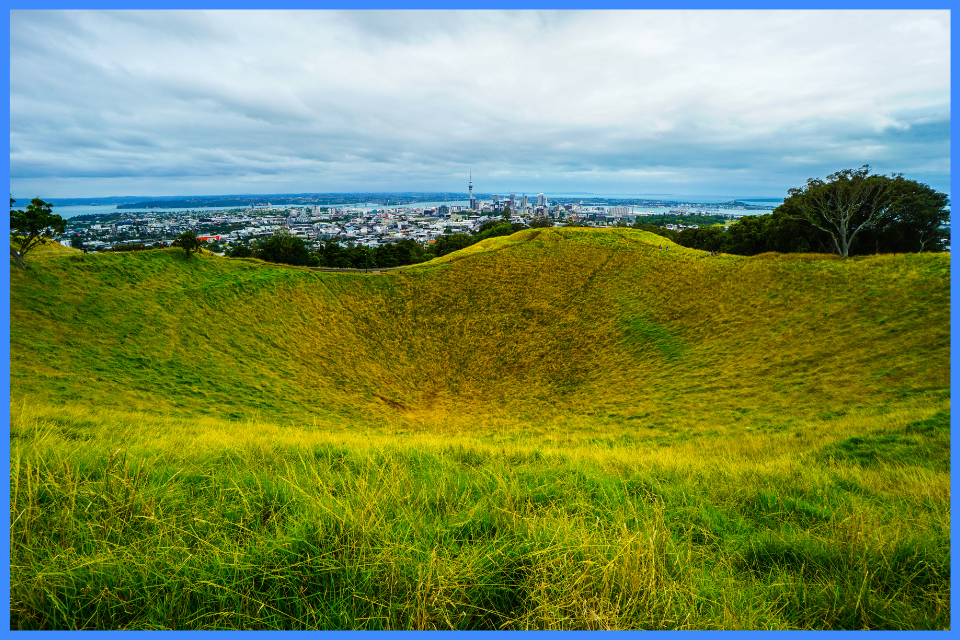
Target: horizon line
{"x":404,"y":193}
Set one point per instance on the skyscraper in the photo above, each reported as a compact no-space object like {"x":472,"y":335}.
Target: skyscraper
{"x":540,"y":200}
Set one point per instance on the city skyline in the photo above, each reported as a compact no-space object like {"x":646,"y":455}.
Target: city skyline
{"x":750,"y":103}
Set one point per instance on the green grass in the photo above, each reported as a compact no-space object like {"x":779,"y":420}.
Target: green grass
{"x":560,"y":429}
{"x":921,"y":443}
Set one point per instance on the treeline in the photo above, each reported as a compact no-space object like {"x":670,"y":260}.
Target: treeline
{"x":287,"y":249}
{"x":751,"y":235}
{"x":893,"y":215}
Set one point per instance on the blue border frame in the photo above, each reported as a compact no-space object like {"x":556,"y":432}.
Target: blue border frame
{"x":428,"y":4}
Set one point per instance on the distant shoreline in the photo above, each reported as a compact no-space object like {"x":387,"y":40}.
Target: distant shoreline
{"x":386,"y":198}
{"x":99,"y":206}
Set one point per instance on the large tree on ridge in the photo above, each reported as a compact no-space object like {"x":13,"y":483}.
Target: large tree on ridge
{"x":31,"y":228}
{"x":844,"y":204}
{"x":857,"y":213}
{"x":189,"y":242}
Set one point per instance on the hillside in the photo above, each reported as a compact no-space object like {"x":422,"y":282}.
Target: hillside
{"x":566,"y":321}
{"x":562,"y":429}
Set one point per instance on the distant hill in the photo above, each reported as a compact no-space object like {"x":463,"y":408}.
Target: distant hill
{"x":299,"y":199}
{"x":65,"y":202}
{"x":576,"y":323}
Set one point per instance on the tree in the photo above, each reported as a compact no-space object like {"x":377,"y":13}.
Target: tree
{"x":506,"y":213}
{"x":453,"y":242}
{"x":361,"y":257}
{"x":410,"y":252}
{"x":540,"y":223}
{"x":334,"y":255}
{"x":874,"y":213}
{"x":387,"y":256}
{"x":746,"y":237}
{"x":918,"y":221}
{"x":31,"y":228}
{"x":498,"y":229}
{"x":240,"y":251}
{"x":789,"y":233}
{"x":489,"y":224}
{"x":848,"y":202}
{"x":283,"y":248}
{"x":705,"y":239}
{"x":189,"y":242}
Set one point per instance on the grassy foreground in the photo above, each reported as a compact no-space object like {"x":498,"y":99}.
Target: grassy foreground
{"x":560,"y":429}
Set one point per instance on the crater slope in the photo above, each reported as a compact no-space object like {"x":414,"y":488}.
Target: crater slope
{"x":556,"y":324}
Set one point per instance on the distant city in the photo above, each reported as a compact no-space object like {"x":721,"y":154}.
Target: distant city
{"x":368,"y":219}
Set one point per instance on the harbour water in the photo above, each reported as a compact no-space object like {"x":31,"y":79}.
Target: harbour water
{"x":72,"y":211}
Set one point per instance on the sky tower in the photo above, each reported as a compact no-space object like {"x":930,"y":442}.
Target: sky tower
{"x":473,"y":203}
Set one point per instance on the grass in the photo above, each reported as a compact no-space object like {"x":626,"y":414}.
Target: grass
{"x":560,"y":429}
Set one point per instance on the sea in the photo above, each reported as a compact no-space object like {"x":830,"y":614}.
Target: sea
{"x":767,"y":204}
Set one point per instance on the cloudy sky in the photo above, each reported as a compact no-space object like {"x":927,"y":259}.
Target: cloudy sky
{"x":638,"y":102}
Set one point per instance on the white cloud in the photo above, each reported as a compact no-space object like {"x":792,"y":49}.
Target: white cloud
{"x":333,"y":101}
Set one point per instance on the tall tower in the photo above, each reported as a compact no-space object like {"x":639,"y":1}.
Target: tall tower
{"x":473,"y":203}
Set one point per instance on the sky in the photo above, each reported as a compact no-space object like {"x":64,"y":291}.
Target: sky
{"x":746,"y":103}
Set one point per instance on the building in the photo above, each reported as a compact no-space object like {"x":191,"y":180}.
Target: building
{"x":540,"y":200}
{"x":473,"y":201}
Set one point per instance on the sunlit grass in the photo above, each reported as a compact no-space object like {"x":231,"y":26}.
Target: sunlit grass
{"x":47,"y":249}
{"x":564,"y":428}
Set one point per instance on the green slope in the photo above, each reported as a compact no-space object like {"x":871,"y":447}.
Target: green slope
{"x":570,"y":321}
